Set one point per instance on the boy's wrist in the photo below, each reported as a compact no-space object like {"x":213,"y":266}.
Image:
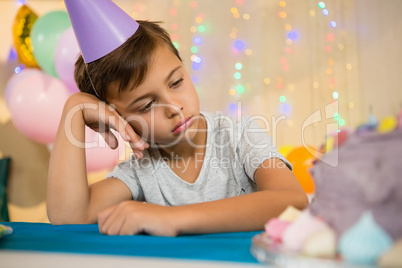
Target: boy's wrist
{"x":184,"y":219}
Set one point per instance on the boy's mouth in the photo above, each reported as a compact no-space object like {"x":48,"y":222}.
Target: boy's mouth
{"x":180,"y":126}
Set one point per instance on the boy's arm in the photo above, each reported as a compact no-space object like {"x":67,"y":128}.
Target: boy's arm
{"x":69,"y":199}
{"x":278,"y":188}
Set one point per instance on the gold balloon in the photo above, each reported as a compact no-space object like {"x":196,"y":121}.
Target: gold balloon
{"x":22,"y":26}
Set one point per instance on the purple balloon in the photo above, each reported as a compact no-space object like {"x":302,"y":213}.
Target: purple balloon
{"x":66,"y":53}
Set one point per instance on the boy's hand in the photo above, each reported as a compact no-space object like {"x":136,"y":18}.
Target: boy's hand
{"x":102,"y":117}
{"x":133,"y":217}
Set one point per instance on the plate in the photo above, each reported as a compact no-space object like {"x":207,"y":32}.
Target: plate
{"x":268,"y":251}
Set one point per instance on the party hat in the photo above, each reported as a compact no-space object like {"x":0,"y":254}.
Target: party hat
{"x":100,"y":26}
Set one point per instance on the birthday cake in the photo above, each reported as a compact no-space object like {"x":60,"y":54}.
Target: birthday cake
{"x":355,"y":217}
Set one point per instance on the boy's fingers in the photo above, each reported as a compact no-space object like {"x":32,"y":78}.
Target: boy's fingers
{"x":110,"y":139}
{"x":126,"y":131}
{"x":104,"y":215}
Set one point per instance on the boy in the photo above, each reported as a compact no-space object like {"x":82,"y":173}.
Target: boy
{"x":142,"y":90}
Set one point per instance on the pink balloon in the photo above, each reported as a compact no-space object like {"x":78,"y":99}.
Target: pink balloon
{"x":36,"y":103}
{"x":99,"y":155}
{"x":66,"y":53}
{"x":15,"y":78}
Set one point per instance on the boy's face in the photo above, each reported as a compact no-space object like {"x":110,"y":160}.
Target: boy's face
{"x":166,"y":97}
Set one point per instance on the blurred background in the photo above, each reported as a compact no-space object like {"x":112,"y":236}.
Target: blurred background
{"x":302,"y":65}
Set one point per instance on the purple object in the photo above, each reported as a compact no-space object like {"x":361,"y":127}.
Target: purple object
{"x":367,"y":178}
{"x":100,"y":26}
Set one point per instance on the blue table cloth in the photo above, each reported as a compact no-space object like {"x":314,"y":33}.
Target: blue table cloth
{"x":233,"y":247}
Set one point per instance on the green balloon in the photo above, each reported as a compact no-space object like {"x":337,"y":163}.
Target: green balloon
{"x":45,"y":34}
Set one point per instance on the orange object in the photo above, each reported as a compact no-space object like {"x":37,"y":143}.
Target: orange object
{"x":302,"y":161}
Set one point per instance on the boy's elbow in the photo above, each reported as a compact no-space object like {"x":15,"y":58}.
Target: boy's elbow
{"x":301,"y":200}
{"x":66,"y":219}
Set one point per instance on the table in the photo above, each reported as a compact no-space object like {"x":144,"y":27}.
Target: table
{"x":46,"y":245}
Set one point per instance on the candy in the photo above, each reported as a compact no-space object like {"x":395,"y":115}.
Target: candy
{"x":321,"y":244}
{"x":364,"y":242}
{"x":275,"y":228}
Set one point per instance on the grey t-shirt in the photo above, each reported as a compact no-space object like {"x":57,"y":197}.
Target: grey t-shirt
{"x":235,"y":148}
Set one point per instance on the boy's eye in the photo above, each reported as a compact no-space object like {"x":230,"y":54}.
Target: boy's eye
{"x":148,"y":106}
{"x":177,"y":83}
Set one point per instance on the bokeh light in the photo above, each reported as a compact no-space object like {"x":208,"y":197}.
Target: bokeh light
{"x":240,"y":89}
{"x":197,"y":40}
{"x":201,"y":28}
{"x":173,"y":11}
{"x":285,"y":108}
{"x":292,"y":35}
{"x":335,"y":95}
{"x":194,"y":49}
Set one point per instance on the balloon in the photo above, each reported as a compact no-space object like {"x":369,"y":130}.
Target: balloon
{"x":336,"y":140}
{"x":22,"y":26}
{"x":343,"y":135}
{"x":36,"y":103}
{"x":388,"y":124}
{"x":99,"y":155}
{"x":302,"y":161}
{"x":329,"y":144}
{"x":15,"y":78}
{"x":370,"y":126}
{"x":45,"y":34}
{"x":285,"y":150}
{"x":67,"y":52}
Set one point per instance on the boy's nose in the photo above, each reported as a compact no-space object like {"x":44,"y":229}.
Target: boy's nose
{"x":173,"y":110}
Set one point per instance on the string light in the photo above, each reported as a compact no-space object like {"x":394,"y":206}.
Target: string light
{"x":335,"y":95}
{"x":173,"y":11}
{"x":197,"y":40}
{"x":232,"y":106}
{"x":239,"y":45}
{"x":240,"y":89}
{"x":292,"y":35}
{"x":194,"y":49}
{"x":201,"y":28}
{"x":285,"y":108}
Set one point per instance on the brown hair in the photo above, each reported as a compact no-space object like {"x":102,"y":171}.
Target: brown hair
{"x":126,"y":64}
